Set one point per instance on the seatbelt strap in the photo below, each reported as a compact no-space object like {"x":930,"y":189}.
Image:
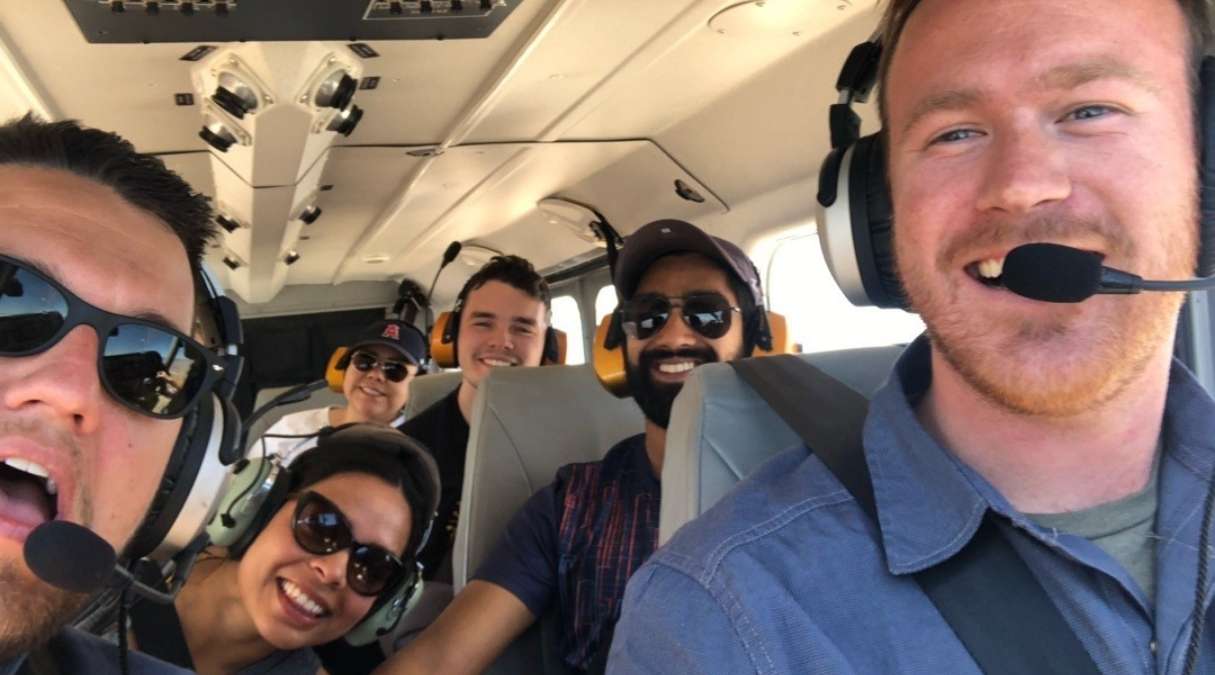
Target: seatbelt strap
{"x":985,"y":592}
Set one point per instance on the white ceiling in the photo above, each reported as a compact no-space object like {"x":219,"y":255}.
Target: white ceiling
{"x":603,"y":101}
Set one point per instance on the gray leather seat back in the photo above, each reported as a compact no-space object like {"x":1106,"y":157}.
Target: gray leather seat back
{"x":319,"y":399}
{"x":426,"y":390}
{"x":527,"y":423}
{"x":721,"y":430}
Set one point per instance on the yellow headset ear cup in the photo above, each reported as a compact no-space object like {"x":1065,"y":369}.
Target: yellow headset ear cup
{"x":335,"y":371}
{"x":443,"y":352}
{"x":609,"y":363}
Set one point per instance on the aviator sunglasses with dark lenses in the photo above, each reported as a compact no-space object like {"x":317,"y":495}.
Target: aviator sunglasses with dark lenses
{"x":394,"y":371}
{"x":146,"y":366}
{"x":709,"y":314}
{"x":320,"y":528}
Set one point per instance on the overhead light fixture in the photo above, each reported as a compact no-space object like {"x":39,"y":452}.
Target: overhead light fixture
{"x":229,"y":224}
{"x":217,"y":134}
{"x":291,"y":257}
{"x":235,"y":96}
{"x":575,"y":217}
{"x":345,"y":121}
{"x":687,"y":192}
{"x":310,"y":214}
{"x":232,"y":263}
{"x":335,"y":91}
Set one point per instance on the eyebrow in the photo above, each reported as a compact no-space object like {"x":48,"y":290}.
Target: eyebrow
{"x":517,"y":319}
{"x":1063,"y":77}
{"x":149,"y":315}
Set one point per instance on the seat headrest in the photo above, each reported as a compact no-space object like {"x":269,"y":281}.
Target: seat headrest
{"x":609,"y":363}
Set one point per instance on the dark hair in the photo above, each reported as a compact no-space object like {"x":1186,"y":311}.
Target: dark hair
{"x":319,"y":464}
{"x":1198,"y":14}
{"x":143,"y":180}
{"x":515,"y":272}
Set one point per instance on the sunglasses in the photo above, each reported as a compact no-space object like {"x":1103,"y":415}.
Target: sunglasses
{"x":709,"y":314}
{"x":145,"y":366}
{"x":320,"y":528}
{"x":394,"y":371}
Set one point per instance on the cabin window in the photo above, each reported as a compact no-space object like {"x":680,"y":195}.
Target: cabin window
{"x":568,"y":318}
{"x":820,"y":317}
{"x":605,"y":302}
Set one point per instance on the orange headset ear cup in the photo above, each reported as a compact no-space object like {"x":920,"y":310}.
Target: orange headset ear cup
{"x":609,"y":361}
{"x":335,"y":371}
{"x":443,"y":340}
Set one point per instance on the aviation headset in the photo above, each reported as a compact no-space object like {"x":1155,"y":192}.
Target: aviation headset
{"x":207,"y":443}
{"x":261,"y":486}
{"x":451,"y":329}
{"x":855,"y":214}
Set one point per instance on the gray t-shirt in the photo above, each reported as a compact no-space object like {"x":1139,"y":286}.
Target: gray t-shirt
{"x":1123,"y":528}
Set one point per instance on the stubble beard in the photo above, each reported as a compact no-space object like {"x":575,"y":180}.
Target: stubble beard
{"x":1060,"y":364}
{"x":31,"y":612}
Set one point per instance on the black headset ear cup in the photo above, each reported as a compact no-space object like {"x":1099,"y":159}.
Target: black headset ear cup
{"x":1206,"y":146}
{"x":872,"y":216}
{"x":189,"y":451}
{"x":552,"y":346}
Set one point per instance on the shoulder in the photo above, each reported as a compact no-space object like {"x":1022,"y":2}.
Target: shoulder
{"x":425,"y":420}
{"x":80,"y":652}
{"x":620,"y":455}
{"x":787,"y":504}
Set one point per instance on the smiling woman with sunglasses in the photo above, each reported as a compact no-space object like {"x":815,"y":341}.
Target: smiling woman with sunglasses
{"x":330,"y":547}
{"x":377,"y":372}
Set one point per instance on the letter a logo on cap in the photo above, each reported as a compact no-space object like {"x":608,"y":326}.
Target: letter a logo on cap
{"x":392,"y":332}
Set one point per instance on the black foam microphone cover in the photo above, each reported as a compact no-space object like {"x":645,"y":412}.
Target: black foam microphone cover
{"x":1052,"y":273}
{"x":70,"y":556}
{"x":453,"y":250}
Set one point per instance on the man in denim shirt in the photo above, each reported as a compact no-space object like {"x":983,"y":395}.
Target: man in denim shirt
{"x":1006,"y":123}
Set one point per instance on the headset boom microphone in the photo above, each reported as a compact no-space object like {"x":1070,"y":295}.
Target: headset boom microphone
{"x":1056,"y":273}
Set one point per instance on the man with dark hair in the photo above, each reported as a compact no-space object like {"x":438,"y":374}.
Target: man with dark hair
{"x":687,"y":298}
{"x":84,"y":218}
{"x":1053,"y":454}
{"x":500,"y":319}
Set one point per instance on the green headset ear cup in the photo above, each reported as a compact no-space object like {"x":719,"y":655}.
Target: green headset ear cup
{"x":253,"y":495}
{"x":387,"y":611}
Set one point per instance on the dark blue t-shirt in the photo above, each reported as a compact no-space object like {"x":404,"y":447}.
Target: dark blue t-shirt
{"x":76,"y":652}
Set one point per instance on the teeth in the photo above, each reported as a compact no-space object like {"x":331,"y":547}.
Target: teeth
{"x":675,"y":368}
{"x":29,"y":467}
{"x":52,"y":488}
{"x":497,"y":363}
{"x":991,"y":268}
{"x":301,"y":599}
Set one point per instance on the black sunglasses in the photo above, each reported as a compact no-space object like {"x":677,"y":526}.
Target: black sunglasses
{"x":394,"y":371}
{"x":320,"y":528}
{"x":148,"y":367}
{"x":709,"y":314}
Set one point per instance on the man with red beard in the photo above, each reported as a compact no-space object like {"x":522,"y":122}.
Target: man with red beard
{"x":1065,"y":428}
{"x":97,"y":244}
{"x":687,"y":298}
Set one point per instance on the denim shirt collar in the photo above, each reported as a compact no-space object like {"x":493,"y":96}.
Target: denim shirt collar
{"x":930,"y":503}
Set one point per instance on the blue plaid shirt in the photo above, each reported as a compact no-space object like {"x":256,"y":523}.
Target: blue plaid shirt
{"x":788,"y":575}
